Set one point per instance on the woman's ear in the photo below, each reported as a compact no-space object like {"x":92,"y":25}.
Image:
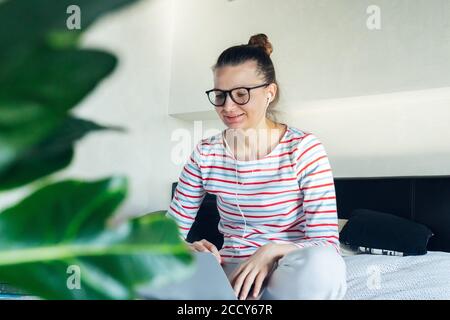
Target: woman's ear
{"x":272,"y":91}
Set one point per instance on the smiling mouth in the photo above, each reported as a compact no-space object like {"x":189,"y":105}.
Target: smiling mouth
{"x":232,"y":117}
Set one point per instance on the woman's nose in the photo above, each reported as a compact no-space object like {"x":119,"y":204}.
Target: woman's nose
{"x":229,"y":104}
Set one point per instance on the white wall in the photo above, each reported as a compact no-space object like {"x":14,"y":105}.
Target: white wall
{"x":323,"y":49}
{"x":396,"y":134}
{"x":378,"y":99}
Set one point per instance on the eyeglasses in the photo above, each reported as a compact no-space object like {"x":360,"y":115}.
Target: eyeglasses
{"x":240,"y":95}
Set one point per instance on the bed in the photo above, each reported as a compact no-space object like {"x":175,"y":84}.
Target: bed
{"x":423,"y":199}
{"x":378,"y":277}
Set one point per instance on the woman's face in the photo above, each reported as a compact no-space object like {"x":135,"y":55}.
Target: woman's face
{"x":251,"y":114}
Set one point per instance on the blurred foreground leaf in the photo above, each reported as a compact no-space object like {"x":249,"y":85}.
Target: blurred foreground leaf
{"x":52,"y":154}
{"x":63,"y":227}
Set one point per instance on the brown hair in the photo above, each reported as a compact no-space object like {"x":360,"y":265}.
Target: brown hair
{"x":258,"y":49}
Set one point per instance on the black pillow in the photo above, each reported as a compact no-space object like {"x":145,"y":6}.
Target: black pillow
{"x":369,"y":231}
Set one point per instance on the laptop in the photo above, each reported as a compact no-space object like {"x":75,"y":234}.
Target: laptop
{"x":208,"y":282}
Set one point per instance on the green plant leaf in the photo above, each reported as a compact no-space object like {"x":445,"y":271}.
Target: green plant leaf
{"x":31,"y":30}
{"x":52,"y":154}
{"x":37,"y":94}
{"x":29,"y":22}
{"x":22,"y":124}
{"x":56,"y":79}
{"x":42,"y":73}
{"x":65,"y":224}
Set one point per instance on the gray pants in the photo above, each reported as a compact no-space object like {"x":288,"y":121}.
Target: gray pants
{"x":317,"y":272}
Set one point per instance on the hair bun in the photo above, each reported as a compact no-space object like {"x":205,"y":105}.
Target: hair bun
{"x":261,"y":40}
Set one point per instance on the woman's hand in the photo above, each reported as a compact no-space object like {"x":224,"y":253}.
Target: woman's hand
{"x":254,"y":270}
{"x":205,"y":246}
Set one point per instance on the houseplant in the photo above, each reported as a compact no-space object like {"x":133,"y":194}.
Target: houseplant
{"x":56,"y":243}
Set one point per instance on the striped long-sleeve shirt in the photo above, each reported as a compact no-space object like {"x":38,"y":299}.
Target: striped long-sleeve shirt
{"x":288,"y":196}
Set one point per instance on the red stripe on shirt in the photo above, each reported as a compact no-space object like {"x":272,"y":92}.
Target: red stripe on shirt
{"x":311,"y":163}
{"x":250,"y":183}
{"x":317,"y":212}
{"x":318,"y":186}
{"x":248,"y":171}
{"x":319,"y":199}
{"x":235,"y":256}
{"x":216,"y":155}
{"x":192,"y":174}
{"x":236,"y":247}
{"x":292,"y":139}
{"x":290,"y":225}
{"x":187,"y":195}
{"x":313,"y":146}
{"x":298,"y":138}
{"x":281,"y":154}
{"x":251,"y":194}
{"x":319,"y":172}
{"x":191,"y":185}
{"x":259,"y":205}
{"x":322,"y":225}
{"x":180,"y":214}
{"x":267,"y":216}
{"x":186,"y":207}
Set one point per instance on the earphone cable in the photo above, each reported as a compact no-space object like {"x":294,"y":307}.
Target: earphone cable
{"x":236,"y":187}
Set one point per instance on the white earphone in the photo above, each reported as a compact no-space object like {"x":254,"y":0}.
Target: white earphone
{"x":237,"y":203}
{"x":268,"y":99}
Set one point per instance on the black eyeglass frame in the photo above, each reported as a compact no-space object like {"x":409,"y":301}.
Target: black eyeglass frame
{"x":228,"y":93}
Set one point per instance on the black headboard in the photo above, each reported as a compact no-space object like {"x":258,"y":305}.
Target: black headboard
{"x":424,"y":199}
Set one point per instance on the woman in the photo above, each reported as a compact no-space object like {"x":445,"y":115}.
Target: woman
{"x":275,"y":197}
